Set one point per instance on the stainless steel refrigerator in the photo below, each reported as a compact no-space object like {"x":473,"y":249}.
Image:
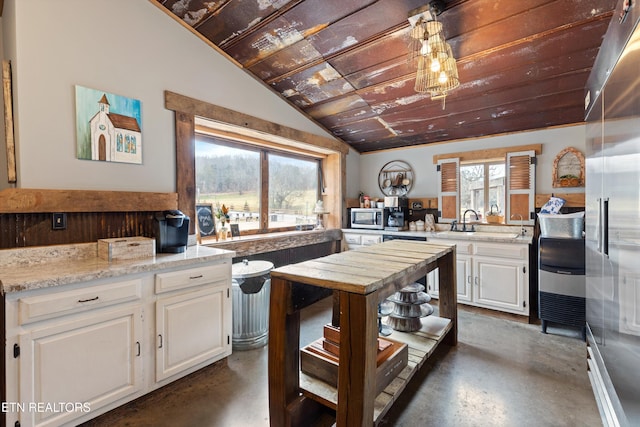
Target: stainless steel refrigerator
{"x":612,"y":221}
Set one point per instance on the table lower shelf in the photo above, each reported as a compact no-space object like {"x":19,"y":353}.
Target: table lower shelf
{"x":421,"y":344}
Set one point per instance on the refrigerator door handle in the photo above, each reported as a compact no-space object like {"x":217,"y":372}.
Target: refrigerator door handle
{"x":605,"y":227}
{"x":599,"y":227}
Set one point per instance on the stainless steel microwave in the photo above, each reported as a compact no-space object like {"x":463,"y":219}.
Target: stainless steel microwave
{"x":372,"y":218}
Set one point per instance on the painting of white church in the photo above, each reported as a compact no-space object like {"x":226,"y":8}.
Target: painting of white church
{"x":108,"y":127}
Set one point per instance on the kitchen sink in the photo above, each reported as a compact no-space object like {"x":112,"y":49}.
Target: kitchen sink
{"x":477,"y":234}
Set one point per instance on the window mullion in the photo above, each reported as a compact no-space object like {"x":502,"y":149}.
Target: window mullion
{"x":487,"y":183}
{"x":264,"y":191}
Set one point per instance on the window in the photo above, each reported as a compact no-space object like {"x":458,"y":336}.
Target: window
{"x":468,"y":181}
{"x":293,"y":190}
{"x":482,"y":187}
{"x":229,"y":173}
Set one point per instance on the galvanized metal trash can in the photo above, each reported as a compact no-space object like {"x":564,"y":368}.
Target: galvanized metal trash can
{"x":251,"y":290}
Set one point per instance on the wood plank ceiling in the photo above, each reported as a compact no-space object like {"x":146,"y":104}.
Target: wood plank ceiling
{"x":523,"y":64}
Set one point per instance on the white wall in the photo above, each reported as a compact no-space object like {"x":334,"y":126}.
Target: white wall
{"x":425,"y":178}
{"x":132,"y":48}
{"x":125,"y":47}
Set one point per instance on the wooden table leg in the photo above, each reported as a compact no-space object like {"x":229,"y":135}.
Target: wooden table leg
{"x":448,"y":294}
{"x":357,"y":370}
{"x":284,"y":345}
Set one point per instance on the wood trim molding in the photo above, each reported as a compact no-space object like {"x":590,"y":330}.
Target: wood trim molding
{"x":177,"y":102}
{"x":26,"y":200}
{"x":256,"y":244}
{"x":8,"y":120}
{"x":490,"y":153}
{"x":185,"y":166}
{"x":572,"y":200}
{"x":188,"y":110}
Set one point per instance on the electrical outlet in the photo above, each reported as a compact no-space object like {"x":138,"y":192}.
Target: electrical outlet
{"x":59,"y":221}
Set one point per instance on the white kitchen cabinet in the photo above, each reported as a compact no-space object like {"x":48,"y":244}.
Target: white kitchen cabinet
{"x":71,"y":347}
{"x":92,"y":360}
{"x":491,"y":275}
{"x":193,"y":318}
{"x":357,"y":240}
{"x":91,"y":346}
{"x":433,"y":283}
{"x":464,"y":276}
{"x":500,"y":284}
{"x":192,"y":327}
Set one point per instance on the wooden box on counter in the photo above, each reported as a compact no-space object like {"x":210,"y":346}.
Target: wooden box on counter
{"x":126,"y":248}
{"x":318,"y":362}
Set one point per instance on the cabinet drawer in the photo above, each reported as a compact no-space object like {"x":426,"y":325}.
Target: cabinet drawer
{"x":463,"y":247}
{"x":166,"y":282}
{"x":503,"y":251}
{"x":353,"y":239}
{"x":36,"y":308}
{"x":371,"y":239}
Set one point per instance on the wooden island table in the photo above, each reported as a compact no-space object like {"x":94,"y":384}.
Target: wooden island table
{"x":359,"y":280}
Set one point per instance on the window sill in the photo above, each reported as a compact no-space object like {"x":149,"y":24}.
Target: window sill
{"x":261,"y":243}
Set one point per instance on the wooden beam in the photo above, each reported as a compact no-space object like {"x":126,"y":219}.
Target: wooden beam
{"x":26,"y":200}
{"x":8,"y":119}
{"x":186,"y":166}
{"x":572,"y":200}
{"x":177,"y":102}
{"x":490,"y":153}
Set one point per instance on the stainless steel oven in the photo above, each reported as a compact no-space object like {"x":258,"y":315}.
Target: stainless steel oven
{"x":372,"y":218}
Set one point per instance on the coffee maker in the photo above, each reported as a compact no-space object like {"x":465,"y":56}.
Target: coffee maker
{"x":172,"y":231}
{"x":396,"y":213}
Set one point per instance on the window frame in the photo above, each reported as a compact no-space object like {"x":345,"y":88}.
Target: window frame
{"x":264,"y":152}
{"x":188,"y":110}
{"x":518,"y":202}
{"x":486,"y":185}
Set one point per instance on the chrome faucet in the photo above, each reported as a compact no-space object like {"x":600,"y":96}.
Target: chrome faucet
{"x":464,"y":222}
{"x":522,"y":230}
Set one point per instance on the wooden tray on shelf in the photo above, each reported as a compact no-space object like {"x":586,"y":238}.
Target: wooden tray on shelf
{"x":323,"y":365}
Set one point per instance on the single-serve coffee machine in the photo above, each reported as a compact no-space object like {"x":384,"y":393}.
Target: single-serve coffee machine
{"x":171,"y":231}
{"x":396,"y":213}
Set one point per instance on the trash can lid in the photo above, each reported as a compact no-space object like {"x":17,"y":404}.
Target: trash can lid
{"x":246,"y":269}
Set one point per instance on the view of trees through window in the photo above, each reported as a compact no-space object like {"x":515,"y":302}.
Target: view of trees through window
{"x":293,"y":191}
{"x":230,"y":175}
{"x":481,"y":186}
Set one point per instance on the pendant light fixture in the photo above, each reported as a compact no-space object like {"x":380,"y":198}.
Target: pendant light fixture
{"x":436,"y":69}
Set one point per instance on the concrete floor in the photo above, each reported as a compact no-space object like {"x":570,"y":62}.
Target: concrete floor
{"x":502,"y":373}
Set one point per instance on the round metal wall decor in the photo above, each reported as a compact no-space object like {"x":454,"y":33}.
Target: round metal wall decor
{"x":395,"y":178}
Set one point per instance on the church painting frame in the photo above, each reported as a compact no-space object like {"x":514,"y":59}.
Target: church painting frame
{"x":108,"y":126}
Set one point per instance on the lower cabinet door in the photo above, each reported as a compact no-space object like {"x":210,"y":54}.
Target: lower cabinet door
{"x":69,"y":368}
{"x":191,"y":328}
{"x":501,"y":284}
{"x":433,"y":283}
{"x":464,"y":278}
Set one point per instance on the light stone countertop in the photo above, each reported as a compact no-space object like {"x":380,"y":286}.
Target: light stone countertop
{"x":47,"y":266}
{"x":498,"y":234}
